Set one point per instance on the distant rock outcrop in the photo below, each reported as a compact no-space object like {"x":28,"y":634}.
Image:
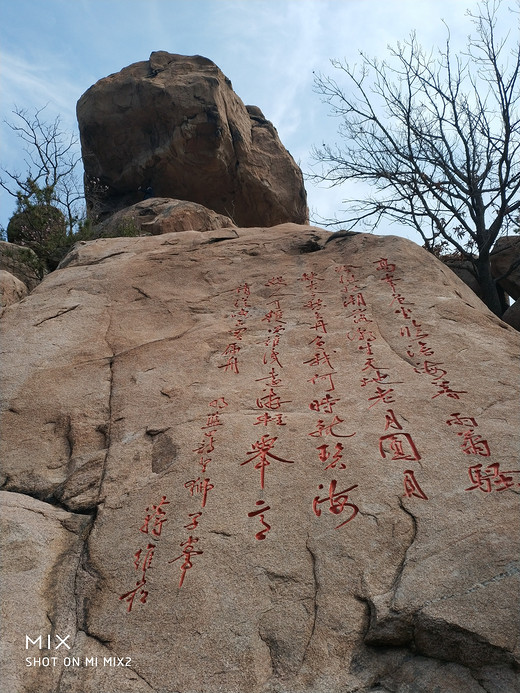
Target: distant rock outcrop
{"x":464,"y":270}
{"x":512,"y":315}
{"x":505,"y":264}
{"x":172,"y":126}
{"x":257,"y":461}
{"x":12,"y":289}
{"x":21,"y":262}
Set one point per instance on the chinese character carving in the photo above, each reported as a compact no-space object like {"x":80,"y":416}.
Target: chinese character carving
{"x":147,"y":560}
{"x":270,"y":401}
{"x":323,"y":429}
{"x":324,"y":455}
{"x":483,"y":480}
{"x":276,"y":419}
{"x":401,"y":445}
{"x":260,"y":511}
{"x":338,"y":502}
{"x":458,"y":420}
{"x":383,"y":264}
{"x":157,"y":514}
{"x":411,"y":486}
{"x":202,"y":486}
{"x":262,"y":449}
{"x":473,"y":444}
{"x":130,"y":596}
{"x":382,"y":396}
{"x":188,"y":551}
{"x":325,"y":404}
{"x":445,"y":389}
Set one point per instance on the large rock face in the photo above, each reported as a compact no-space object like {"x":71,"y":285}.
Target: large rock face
{"x":172,"y":126}
{"x":260,"y":460}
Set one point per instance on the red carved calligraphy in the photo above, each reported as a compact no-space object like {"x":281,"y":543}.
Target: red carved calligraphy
{"x":325,"y":404}
{"x":156,"y":515}
{"x":262,"y":450}
{"x":382,"y":395}
{"x":270,"y":403}
{"x":261,"y":512}
{"x":153,"y":522}
{"x":324,"y":456}
{"x":338,"y":502}
{"x":188,"y":550}
{"x":491,"y":478}
{"x":323,"y":429}
{"x":200,"y":486}
{"x":240,"y":314}
{"x":401,"y":445}
{"x":411,"y":486}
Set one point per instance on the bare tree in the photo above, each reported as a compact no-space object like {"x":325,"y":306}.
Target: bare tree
{"x":438,"y":137}
{"x":51,"y":160}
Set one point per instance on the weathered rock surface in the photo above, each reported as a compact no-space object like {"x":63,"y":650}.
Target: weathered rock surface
{"x":506,"y":255}
{"x":156,"y":216}
{"x":12,"y":289}
{"x":152,"y":383}
{"x":41,"y":548}
{"x":172,"y":126}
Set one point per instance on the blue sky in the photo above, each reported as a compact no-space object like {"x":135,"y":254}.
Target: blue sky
{"x":51,"y":51}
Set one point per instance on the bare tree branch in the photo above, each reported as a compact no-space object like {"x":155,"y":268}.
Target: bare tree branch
{"x":51,"y":159}
{"x":437,"y":136}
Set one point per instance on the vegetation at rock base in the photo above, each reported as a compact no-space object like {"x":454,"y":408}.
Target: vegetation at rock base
{"x":437,"y":135}
{"x":41,"y":226}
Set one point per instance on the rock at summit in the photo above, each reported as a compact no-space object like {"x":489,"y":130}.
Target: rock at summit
{"x":172,"y":126}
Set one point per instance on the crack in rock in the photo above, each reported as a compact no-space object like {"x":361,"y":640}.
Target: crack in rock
{"x":108,"y":426}
{"x":57,"y":315}
{"x":315,"y":598}
{"x":511,"y":569}
{"x":388,"y":627}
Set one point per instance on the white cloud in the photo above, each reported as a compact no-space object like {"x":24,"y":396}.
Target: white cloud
{"x":30,"y":85}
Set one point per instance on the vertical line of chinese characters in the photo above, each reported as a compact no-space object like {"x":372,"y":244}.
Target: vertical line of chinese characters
{"x":396,"y":446}
{"x":201,"y":486}
{"x":152,"y":526}
{"x":239,"y":315}
{"x":322,"y":380}
{"x":269,"y":405}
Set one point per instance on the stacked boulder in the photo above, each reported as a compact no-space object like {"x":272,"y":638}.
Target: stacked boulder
{"x":172,"y":126}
